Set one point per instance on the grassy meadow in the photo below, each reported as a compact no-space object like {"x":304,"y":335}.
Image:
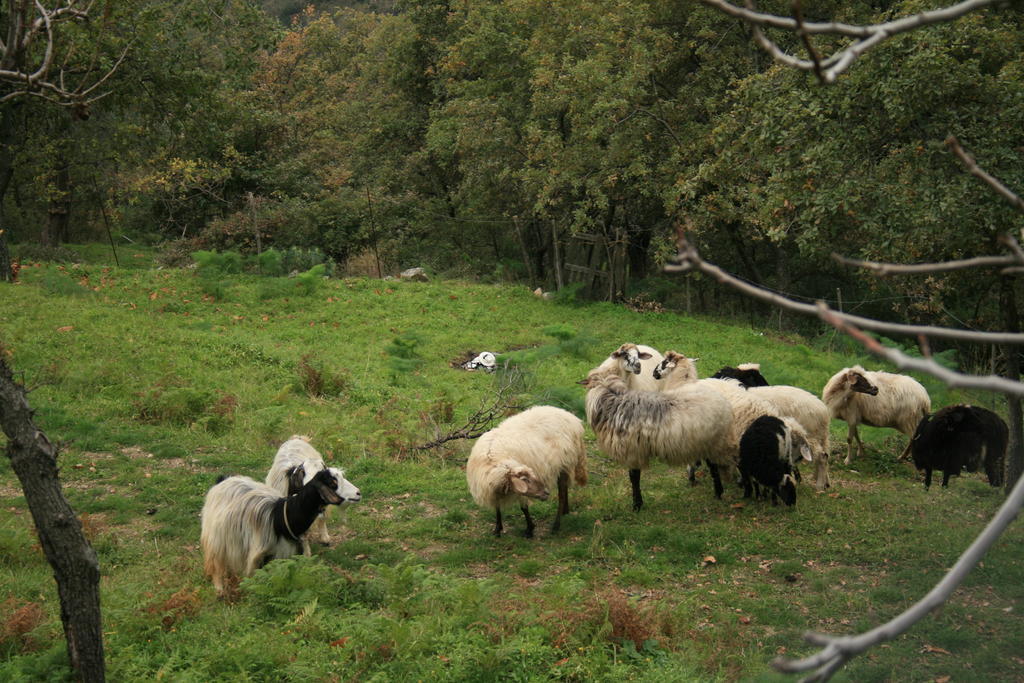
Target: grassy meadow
{"x":156,"y":381}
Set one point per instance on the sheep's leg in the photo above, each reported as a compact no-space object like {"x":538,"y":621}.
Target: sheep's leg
{"x":254,"y":562}
{"x":713,"y":468}
{"x":853,"y":435}
{"x":638,"y":500}
{"x":748,"y":488}
{"x":563,"y":500}
{"x":691,"y":473}
{"x":529,"y":520}
{"x":945,"y":478}
{"x":927,"y":478}
{"x":306,"y":550}
{"x":218,"y":582}
{"x":318,"y":530}
{"x":497,"y":522}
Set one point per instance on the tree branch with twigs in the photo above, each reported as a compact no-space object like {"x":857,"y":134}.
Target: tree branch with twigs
{"x":482,"y":419}
{"x":865,"y":36}
{"x":837,"y":650}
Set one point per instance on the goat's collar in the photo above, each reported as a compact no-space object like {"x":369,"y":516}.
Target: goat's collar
{"x":287,"y":526}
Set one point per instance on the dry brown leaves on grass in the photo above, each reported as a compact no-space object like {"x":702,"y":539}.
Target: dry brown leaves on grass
{"x":183,"y":603}
{"x":610,"y":610}
{"x":19,"y":622}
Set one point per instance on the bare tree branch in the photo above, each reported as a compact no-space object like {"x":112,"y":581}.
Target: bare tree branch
{"x":485,"y":416}
{"x":23,"y":75}
{"x":977,"y":171}
{"x":923,"y":268}
{"x":687,"y":258}
{"x":867,"y":36}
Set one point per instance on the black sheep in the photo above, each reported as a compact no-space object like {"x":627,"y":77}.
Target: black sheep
{"x":960,"y":437}
{"x":768,"y":449}
{"x":748,"y":374}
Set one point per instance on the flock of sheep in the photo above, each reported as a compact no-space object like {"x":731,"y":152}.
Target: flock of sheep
{"x":642,"y":406}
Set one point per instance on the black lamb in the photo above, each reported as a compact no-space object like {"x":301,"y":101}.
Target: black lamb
{"x":960,"y":438}
{"x":768,"y":449}
{"x":748,"y":374}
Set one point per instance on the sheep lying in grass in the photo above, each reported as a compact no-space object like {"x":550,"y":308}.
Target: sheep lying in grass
{"x":523,"y":458}
{"x":747,"y":374}
{"x":294,"y":465}
{"x":768,"y":448}
{"x":813,"y":416}
{"x":634,"y":363}
{"x":877,"y":399}
{"x":245,"y":523}
{"x":678,"y":427}
{"x":961,"y":437}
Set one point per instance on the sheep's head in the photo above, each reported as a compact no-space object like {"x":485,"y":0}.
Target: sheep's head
{"x":523,"y":481}
{"x":747,"y":374}
{"x":326,"y":485}
{"x":796,"y":442}
{"x":676,"y":362}
{"x":629,"y":357}
{"x":787,"y":489}
{"x":856,"y":380}
{"x":345,"y":489}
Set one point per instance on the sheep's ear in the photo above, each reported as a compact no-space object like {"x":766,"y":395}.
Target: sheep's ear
{"x":805,"y":451}
{"x":296,"y":478}
{"x":643,"y":355}
{"x":517,"y":484}
{"x":328,"y":495}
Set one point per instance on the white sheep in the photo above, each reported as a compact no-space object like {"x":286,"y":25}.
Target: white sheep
{"x":812,"y":414}
{"x":679,"y":427}
{"x":877,"y":399}
{"x":634,"y":364}
{"x":294,"y":465}
{"x":246,"y":523}
{"x":523,"y":458}
{"x":676,"y":372}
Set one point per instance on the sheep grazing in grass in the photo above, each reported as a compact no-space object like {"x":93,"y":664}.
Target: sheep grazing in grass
{"x":960,"y":438}
{"x":294,"y":465}
{"x":768,"y":448}
{"x":674,"y":374}
{"x":634,"y":364}
{"x":877,"y":399}
{"x":678,"y":427}
{"x":246,"y":523}
{"x":747,"y":374}
{"x":523,"y":458}
{"x":812,"y":414}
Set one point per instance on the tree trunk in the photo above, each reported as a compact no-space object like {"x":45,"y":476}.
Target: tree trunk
{"x":74,"y":562}
{"x":6,"y":172}
{"x":59,"y":219}
{"x":524,"y":252}
{"x":1015,"y":448}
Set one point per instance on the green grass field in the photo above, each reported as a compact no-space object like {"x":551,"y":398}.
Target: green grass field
{"x":156,"y":381}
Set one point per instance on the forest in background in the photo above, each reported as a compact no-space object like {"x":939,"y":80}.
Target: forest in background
{"x":509,"y":140}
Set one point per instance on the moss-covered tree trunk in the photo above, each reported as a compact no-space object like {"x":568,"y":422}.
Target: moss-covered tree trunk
{"x":75,"y":566}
